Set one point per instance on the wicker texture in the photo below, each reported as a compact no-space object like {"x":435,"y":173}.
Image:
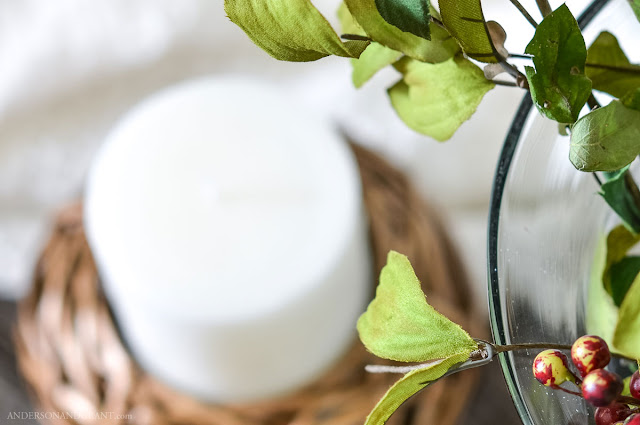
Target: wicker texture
{"x":73,"y":360}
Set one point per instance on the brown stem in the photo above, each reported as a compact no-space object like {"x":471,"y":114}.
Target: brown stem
{"x":526,"y":346}
{"x":438,"y":22}
{"x":524,"y":12}
{"x":504,"y":83}
{"x":544,"y":6}
{"x":544,"y":345}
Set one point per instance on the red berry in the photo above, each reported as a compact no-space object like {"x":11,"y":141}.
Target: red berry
{"x":633,"y":419}
{"x":611,"y":414}
{"x":634,"y":385}
{"x":601,"y":387}
{"x":551,"y":368}
{"x":590,"y":352}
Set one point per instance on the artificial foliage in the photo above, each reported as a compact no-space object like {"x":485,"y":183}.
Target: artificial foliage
{"x":446,"y":61}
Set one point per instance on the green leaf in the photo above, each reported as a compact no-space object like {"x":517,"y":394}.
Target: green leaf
{"x":408,"y":15}
{"x":373,"y":59}
{"x":400,"y":325}
{"x":606,"y":139}
{"x":441,"y":47}
{"x":635,"y":5}
{"x":410,"y":384}
{"x":465,"y":22}
{"x":617,"y":192}
{"x":626,"y":338}
{"x":608,"y":67}
{"x":622,"y":275}
{"x":632,"y":99}
{"x":619,"y":241}
{"x":558,"y":85}
{"x":293,"y":30}
{"x":436,"y":99}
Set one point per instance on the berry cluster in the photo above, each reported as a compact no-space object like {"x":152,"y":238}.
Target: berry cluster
{"x":603,"y":389}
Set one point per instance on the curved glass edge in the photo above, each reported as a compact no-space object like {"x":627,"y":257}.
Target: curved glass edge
{"x":499,"y":181}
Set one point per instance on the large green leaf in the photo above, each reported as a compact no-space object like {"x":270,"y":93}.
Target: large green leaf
{"x":373,"y":59}
{"x":410,"y":384}
{"x":293,"y":30}
{"x":626,"y":338}
{"x":558,"y":85}
{"x":441,"y":47}
{"x":408,"y":15}
{"x":436,"y":99}
{"x":400,"y":325}
{"x":608,"y":67}
{"x":465,"y":22}
{"x":618,"y":192}
{"x":606,"y":139}
{"x":619,"y":241}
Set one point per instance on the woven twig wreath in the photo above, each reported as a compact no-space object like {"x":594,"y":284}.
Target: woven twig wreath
{"x":73,"y":360}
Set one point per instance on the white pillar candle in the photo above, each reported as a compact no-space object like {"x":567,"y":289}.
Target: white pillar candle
{"x":228,"y":228}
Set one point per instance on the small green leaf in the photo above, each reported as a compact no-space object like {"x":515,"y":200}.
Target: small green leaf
{"x":626,"y":338}
{"x":608,"y":67}
{"x":606,"y":139}
{"x":408,"y":15}
{"x":436,"y":99}
{"x":465,"y":22}
{"x":622,"y":275}
{"x":558,"y":85}
{"x":441,"y":47}
{"x":293,"y":30}
{"x":373,"y":59}
{"x":619,"y":241}
{"x":616,"y":191}
{"x":400,"y":325}
{"x":410,"y":384}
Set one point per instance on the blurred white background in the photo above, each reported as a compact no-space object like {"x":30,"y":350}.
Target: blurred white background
{"x":70,"y":68}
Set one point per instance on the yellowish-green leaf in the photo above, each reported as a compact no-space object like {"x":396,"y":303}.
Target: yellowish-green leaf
{"x":436,"y":99}
{"x":626,"y":338}
{"x":400,"y":325}
{"x":410,"y":384}
{"x":558,"y":85}
{"x":373,"y":59}
{"x":608,"y":67}
{"x":347,"y":23}
{"x":292,"y":30}
{"x":440,"y":48}
{"x":465,"y":21}
{"x":603,"y":313}
{"x":605,"y":139}
{"x":619,"y":241}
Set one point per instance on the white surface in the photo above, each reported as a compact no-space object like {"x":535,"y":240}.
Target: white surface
{"x":227,"y":225}
{"x":70,"y":68}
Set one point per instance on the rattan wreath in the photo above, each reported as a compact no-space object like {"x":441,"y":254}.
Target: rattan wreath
{"x":73,"y":360}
